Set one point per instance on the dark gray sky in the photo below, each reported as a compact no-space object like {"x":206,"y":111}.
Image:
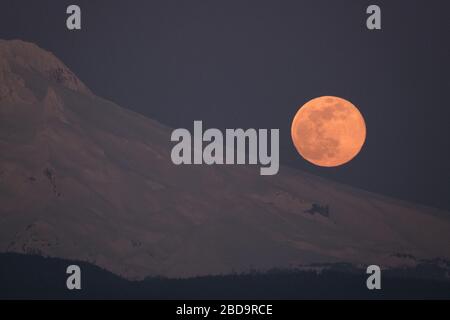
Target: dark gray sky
{"x":236,"y":63}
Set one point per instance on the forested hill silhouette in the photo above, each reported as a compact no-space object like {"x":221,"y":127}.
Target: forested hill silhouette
{"x":36,"y":277}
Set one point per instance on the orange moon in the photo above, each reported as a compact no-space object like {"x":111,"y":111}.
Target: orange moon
{"x":328,"y":131}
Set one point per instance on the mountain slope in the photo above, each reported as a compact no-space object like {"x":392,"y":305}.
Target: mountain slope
{"x":82,"y":178}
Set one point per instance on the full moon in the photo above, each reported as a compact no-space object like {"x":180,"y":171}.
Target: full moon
{"x":328,"y":131}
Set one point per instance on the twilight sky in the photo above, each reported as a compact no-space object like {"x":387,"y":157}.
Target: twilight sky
{"x":247,"y":64}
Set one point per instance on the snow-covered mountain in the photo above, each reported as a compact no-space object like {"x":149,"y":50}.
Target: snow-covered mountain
{"x":82,"y":178}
